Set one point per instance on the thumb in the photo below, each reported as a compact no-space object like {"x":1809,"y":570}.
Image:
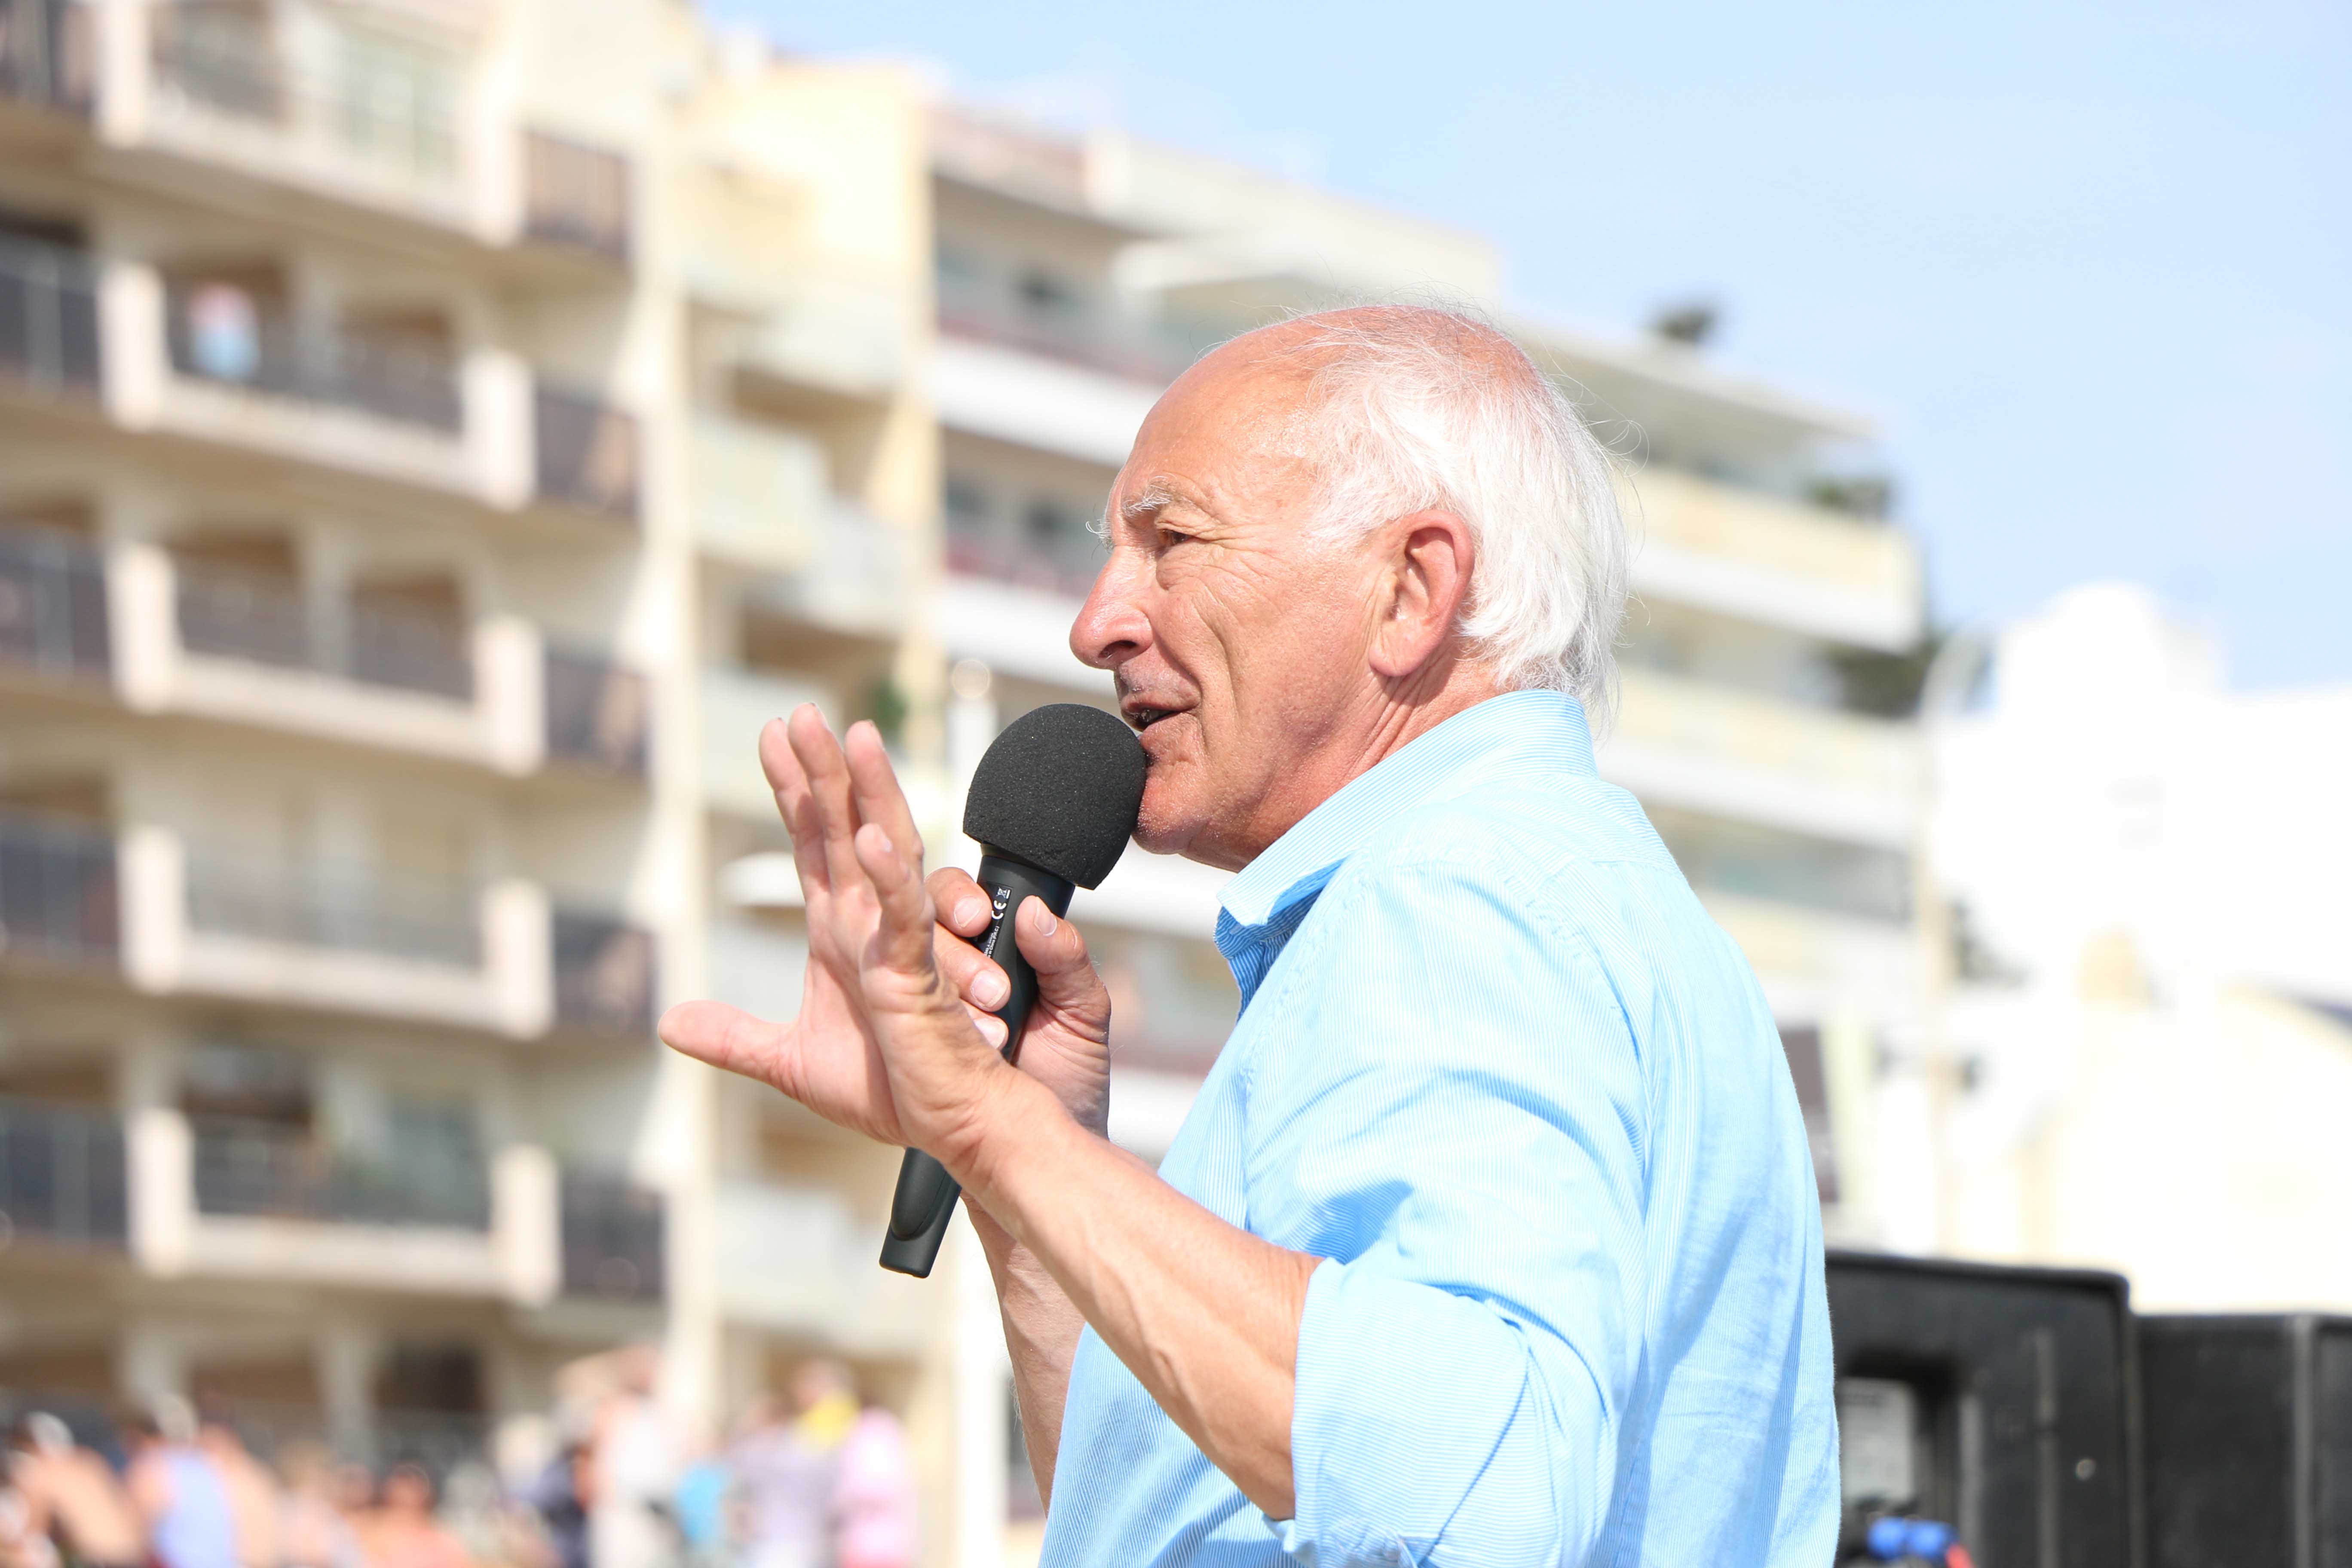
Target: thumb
{"x":1058,"y":952}
{"x":729,"y":1039}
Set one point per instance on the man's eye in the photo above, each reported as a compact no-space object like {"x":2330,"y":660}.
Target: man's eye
{"x":1170,"y":538}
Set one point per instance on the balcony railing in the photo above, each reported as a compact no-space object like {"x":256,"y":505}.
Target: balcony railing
{"x":378,"y":912}
{"x":1130,"y":350}
{"x":1066,"y":573}
{"x":59,"y":898}
{"x":221,"y":334}
{"x":251,"y":1167}
{"x":612,"y":1237}
{"x":268,"y":620}
{"x":62,"y":1176}
{"x":48,"y":317}
{"x":53,"y":615}
{"x":597,"y":712}
{"x":575,"y":194}
{"x":584,"y":451}
{"x":604,"y":975}
{"x":47,"y":54}
{"x":437,"y":1441}
{"x":1850,"y":753}
{"x":394,"y":119}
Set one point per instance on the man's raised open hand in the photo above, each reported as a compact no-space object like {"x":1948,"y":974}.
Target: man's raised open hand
{"x":860,"y":861}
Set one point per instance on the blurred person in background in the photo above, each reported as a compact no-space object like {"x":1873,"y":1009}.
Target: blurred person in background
{"x":403,"y":1531}
{"x":253,"y":1499}
{"x":874,"y":1494}
{"x":473,"y":1511}
{"x":73,"y":1497}
{"x":638,"y":1456}
{"x":700,"y":1508}
{"x":561,"y":1495}
{"x":311,"y":1530}
{"x":22,"y":1545}
{"x":179,"y":1493}
{"x":783,"y":1489}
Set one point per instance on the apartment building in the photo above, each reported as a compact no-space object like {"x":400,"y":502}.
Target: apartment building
{"x":434,"y":437}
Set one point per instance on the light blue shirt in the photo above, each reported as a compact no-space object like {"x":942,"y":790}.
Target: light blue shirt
{"x":1497,"y":1066}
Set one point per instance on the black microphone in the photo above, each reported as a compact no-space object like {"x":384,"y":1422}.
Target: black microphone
{"x":1053,"y":803}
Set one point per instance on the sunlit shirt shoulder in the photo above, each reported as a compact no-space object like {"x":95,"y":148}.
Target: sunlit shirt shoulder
{"x":1497,"y":1066}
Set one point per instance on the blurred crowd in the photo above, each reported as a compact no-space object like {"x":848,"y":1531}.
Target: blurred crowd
{"x":814,"y":1479}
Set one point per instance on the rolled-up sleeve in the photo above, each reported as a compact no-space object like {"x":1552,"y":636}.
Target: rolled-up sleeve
{"x":1460,"y":1136}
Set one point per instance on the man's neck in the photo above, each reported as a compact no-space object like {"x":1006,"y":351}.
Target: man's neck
{"x":1395,"y":717}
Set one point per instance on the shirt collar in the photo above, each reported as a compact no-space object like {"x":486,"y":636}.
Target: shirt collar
{"x":1544,"y":728}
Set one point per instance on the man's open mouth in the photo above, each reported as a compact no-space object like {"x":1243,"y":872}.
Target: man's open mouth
{"x":1143,"y":717}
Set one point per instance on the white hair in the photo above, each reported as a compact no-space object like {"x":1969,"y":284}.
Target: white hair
{"x":1417,"y":409}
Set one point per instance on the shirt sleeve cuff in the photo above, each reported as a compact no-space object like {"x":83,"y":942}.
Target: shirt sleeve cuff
{"x":1402,"y":1392}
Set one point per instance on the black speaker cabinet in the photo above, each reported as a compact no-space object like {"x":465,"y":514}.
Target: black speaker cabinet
{"x":2248,"y":1423}
{"x":2001,"y":1401}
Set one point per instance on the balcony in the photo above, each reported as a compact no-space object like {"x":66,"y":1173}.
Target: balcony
{"x":605,"y":975}
{"x":1744,"y":553}
{"x":354,"y":665}
{"x":53,"y":609}
{"x":59,"y":897}
{"x":221,"y":334}
{"x":584,"y":453}
{"x":262,"y":923}
{"x":313,"y":106}
{"x":859,"y":578}
{"x":367,"y":912}
{"x":823,"y":340}
{"x":612,"y":1238}
{"x":48,"y":57}
{"x":736,"y":706}
{"x":598,"y":715}
{"x":797,"y":1261}
{"x":575,"y":195}
{"x":49,"y":320}
{"x":1702,"y":747}
{"x":261,"y":1169}
{"x":63,"y":1179}
{"x":423,"y":1210}
{"x":1020,"y":630}
{"x":1014,"y":392}
{"x":1069,"y":574}
{"x":760,"y":493}
{"x":1126,"y":349}
{"x":266,"y":620}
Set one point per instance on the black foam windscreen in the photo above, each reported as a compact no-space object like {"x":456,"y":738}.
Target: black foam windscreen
{"x":1060,"y":789}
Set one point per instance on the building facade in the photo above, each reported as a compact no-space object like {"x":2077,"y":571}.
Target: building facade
{"x":2147,"y":1015}
{"x":435,"y":435}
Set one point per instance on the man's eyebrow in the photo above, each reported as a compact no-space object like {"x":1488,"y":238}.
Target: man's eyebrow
{"x":1156,"y":497}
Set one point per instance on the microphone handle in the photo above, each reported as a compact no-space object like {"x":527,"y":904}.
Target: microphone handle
{"x":926,"y":1198}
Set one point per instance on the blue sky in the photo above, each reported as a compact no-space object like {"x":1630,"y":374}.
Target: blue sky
{"x":2092,"y":264}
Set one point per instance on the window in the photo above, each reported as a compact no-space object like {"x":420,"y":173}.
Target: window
{"x":1044,"y":294}
{"x":967,"y":503}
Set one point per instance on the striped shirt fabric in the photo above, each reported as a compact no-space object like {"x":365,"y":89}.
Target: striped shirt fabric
{"x":1496,"y":1065}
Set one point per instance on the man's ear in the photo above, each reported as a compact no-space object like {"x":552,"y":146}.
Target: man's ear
{"x":1423,"y":587}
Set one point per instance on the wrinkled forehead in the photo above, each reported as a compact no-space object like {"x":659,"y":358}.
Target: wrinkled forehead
{"x":1229,"y":436}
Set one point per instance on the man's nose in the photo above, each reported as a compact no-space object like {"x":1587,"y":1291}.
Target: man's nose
{"x":1112,"y":627}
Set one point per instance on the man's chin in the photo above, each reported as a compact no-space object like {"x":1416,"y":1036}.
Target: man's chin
{"x":1165,"y":825}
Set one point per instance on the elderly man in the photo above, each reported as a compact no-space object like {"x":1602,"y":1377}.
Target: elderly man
{"x":1491,"y":1238}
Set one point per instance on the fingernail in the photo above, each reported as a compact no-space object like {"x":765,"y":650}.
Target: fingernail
{"x":991,"y":990}
{"x":992,"y":1029}
{"x":971,"y":911}
{"x":1044,"y":923}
